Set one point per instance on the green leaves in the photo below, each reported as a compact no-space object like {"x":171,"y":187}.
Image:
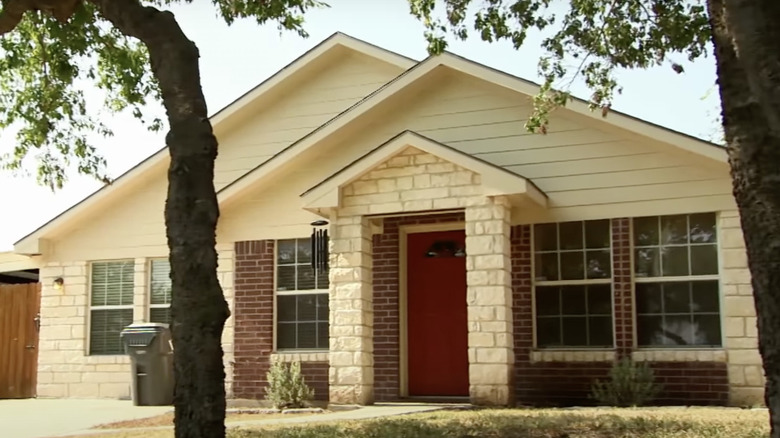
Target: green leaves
{"x":591,"y":39}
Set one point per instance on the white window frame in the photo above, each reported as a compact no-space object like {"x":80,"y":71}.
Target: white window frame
{"x":91,"y":308}
{"x":584,"y":282}
{"x":150,"y":277}
{"x":278,"y":293}
{"x":677,"y":278}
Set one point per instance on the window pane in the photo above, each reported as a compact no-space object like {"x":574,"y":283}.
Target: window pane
{"x":572,"y":266}
{"x":573,"y":300}
{"x":677,"y":297}
{"x":160,"y":282}
{"x":307,"y":308}
{"x":597,"y":234}
{"x":547,"y":266}
{"x":646,"y":231}
{"x":305,"y":277}
{"x":548,"y":332}
{"x":322,"y":307}
{"x":674,"y":229}
{"x":304,"y":251}
{"x":648,"y":298}
{"x":307,"y":335}
{"x":545,"y":237}
{"x":674,"y":261}
{"x":285,"y":308}
{"x":571,"y":235}
{"x":707,"y":330}
{"x":105,"y":327}
{"x":650,"y":331}
{"x":600,"y":331}
{"x":678,"y":330}
{"x":702,"y":228}
{"x":575,"y":331}
{"x":547,"y":302}
{"x":112,"y":283}
{"x":322,"y":335}
{"x":285,"y":278}
{"x":285,"y":335}
{"x":160,"y":314}
{"x":705,"y":296}
{"x":599,"y":264}
{"x":599,"y":300}
{"x":285,"y":251}
{"x":646,"y":263}
{"x":704,"y":260}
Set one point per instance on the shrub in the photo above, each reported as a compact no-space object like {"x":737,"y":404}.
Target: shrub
{"x":629,"y":384}
{"x":286,"y":386}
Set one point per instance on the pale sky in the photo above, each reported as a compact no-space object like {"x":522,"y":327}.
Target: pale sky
{"x":234,"y":59}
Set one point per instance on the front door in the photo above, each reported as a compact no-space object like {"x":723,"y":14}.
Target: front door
{"x":19,"y":306}
{"x":436,"y":314}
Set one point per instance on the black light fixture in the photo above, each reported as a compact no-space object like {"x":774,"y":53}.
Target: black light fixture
{"x":319,"y":245}
{"x":445,"y":248}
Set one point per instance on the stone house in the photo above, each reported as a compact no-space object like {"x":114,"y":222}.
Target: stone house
{"x":467,"y":257}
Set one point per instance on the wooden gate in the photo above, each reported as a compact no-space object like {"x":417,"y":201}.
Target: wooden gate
{"x":19,"y":323}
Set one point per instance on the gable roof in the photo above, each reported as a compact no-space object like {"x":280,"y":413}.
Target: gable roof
{"x":457,"y":63}
{"x":495,"y":180}
{"x":30,"y":245}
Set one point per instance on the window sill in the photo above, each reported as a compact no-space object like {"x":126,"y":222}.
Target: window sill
{"x":702,"y":354}
{"x":301,"y":356}
{"x":573,"y":355}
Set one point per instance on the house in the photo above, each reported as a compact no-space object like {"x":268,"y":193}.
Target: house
{"x":468,"y":258}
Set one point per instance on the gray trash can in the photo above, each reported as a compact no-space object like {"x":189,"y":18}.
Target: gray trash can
{"x":151,"y":354}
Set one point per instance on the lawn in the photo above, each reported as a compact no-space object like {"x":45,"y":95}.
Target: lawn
{"x":525,"y":423}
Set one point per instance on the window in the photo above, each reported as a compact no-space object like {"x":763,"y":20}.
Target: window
{"x":160,"y":291}
{"x":301,"y":298}
{"x":111,"y":305}
{"x":573,"y":284}
{"x":676,"y":281}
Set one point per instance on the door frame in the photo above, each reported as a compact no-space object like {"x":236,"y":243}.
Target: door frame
{"x":403,"y":329}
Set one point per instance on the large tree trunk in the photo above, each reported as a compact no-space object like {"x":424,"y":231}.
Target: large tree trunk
{"x":191,"y":211}
{"x":747,"y":48}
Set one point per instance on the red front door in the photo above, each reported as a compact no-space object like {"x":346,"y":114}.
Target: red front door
{"x":436,"y":313}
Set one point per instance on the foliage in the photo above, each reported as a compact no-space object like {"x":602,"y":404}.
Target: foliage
{"x":531,"y":423}
{"x":49,"y":65}
{"x":630,"y":384}
{"x":591,"y":38}
{"x":286,"y":386}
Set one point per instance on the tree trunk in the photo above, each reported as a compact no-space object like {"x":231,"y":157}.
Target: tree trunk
{"x":747,"y":50}
{"x":199,"y":309}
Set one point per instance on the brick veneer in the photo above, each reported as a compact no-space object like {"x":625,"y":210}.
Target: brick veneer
{"x":568,"y":383}
{"x":254,"y":301}
{"x":386,"y":301}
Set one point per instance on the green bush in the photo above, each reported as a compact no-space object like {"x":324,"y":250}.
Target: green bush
{"x":286,"y":386}
{"x":629,"y":384}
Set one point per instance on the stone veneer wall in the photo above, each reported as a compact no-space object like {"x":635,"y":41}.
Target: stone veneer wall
{"x":254,"y":326}
{"x":64,"y":368}
{"x":745,"y":370}
{"x":550,"y":377}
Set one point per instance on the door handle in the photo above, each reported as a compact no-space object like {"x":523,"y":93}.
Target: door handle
{"x":30,"y":347}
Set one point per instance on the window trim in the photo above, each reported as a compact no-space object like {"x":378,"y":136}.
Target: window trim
{"x":670,"y":279}
{"x":275,"y":347}
{"x":582,"y":282}
{"x":150,"y":272}
{"x":90,"y":307}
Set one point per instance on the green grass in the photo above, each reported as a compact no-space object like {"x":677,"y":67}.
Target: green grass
{"x":590,"y":423}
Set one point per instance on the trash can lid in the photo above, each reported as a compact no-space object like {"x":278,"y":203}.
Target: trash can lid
{"x":154,"y":327}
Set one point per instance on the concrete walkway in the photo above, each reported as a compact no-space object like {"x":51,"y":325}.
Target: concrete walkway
{"x":38,"y":418}
{"x":44,"y":418}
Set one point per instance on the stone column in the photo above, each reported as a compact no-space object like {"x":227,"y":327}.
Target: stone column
{"x":489,"y":299}
{"x":351,"y":375}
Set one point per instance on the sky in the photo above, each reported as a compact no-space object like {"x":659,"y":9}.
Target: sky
{"x":236,"y":58}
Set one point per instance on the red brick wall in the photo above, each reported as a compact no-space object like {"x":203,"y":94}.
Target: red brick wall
{"x":254,"y":327}
{"x":569,"y":383}
{"x":386,"y":301}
